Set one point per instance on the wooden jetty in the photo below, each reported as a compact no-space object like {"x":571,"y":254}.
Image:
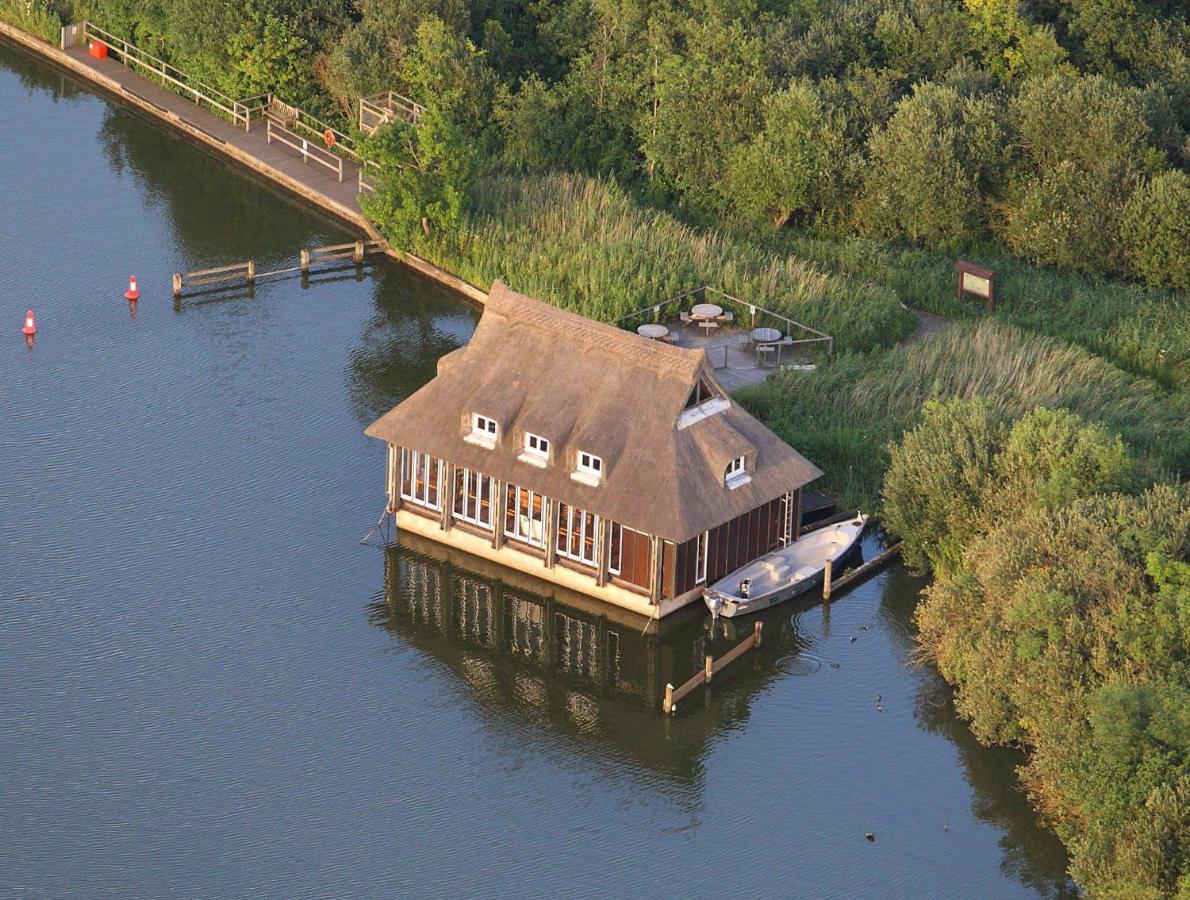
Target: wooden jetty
{"x":354,"y":252}
{"x":711,"y":667}
{"x":855,"y":576}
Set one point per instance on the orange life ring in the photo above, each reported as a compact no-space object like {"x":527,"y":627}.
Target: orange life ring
{"x":329,"y":137}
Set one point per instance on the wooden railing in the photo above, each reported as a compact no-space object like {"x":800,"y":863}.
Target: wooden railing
{"x":309,"y":150}
{"x":380,"y":109}
{"x":170,"y":76}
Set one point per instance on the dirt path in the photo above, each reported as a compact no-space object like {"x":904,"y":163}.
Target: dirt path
{"x":928,"y":324}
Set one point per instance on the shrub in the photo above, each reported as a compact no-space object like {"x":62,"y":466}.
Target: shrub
{"x":1156,"y":230}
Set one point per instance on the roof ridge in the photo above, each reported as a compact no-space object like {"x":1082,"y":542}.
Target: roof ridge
{"x":631,"y":348}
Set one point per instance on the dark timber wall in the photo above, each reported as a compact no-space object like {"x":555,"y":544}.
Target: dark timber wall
{"x":729,"y":546}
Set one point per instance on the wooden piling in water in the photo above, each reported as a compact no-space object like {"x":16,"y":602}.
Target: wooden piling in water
{"x":710,"y":667}
{"x":826,"y":581}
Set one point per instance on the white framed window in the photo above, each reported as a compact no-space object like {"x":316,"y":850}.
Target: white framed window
{"x":700,"y":561}
{"x":615,"y":556}
{"x":421,"y":476}
{"x":484,"y":430}
{"x":524,"y":516}
{"x":473,"y":498}
{"x":590,"y":464}
{"x":536,"y":445}
{"x":577,"y":530}
{"x":736,"y":473}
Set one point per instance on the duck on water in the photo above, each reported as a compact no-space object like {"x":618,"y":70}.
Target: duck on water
{"x":785,"y":573}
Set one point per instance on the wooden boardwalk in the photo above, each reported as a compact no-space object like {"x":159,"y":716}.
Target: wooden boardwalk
{"x":280,"y":162}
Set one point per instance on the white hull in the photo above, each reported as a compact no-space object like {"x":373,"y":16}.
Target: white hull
{"x":785,"y":573}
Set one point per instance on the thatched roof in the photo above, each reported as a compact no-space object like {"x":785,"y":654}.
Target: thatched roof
{"x":596,"y":388}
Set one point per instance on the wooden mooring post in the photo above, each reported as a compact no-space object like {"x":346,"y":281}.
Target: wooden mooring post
{"x":826,"y":581}
{"x":669,"y":703}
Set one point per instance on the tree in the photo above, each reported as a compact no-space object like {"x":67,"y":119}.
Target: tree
{"x":936,"y":478}
{"x":931,"y":165}
{"x":426,"y":171}
{"x":1084,"y":147}
{"x":1156,"y":230}
{"x":708,"y":100}
{"x":787,"y":167}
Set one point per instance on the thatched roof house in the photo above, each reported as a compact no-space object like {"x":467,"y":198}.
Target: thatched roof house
{"x":552,"y":439}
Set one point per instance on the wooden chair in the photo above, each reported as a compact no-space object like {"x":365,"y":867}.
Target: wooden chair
{"x":762,"y":353}
{"x":727,"y":317}
{"x":685,"y":317}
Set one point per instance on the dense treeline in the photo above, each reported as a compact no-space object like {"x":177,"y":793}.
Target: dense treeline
{"x":1056,"y":128}
{"x":1060,"y":610}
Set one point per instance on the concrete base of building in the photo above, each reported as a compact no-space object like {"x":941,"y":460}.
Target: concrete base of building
{"x":563,"y":576}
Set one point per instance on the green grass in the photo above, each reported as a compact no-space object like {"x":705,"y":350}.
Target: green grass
{"x":843,"y":416}
{"x":584,"y":244}
{"x":1140,"y":329}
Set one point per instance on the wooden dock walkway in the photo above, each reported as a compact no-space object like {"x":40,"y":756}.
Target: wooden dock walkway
{"x":278,"y":161}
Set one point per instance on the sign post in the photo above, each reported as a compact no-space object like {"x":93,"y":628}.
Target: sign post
{"x":975,"y":280}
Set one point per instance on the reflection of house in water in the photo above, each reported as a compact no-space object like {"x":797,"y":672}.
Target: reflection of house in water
{"x":589,"y":457}
{"x":559,"y":658}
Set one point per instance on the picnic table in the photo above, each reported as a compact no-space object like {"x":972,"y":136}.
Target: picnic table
{"x":706,"y":311}
{"x":653,"y":331}
{"x":765,"y":335}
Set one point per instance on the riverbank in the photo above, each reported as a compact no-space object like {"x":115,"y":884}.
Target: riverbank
{"x":249,"y":149}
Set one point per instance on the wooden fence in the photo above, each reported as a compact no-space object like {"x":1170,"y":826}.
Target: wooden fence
{"x":711,"y":667}
{"x":380,"y":109}
{"x":309,"y":150}
{"x":171,"y":77}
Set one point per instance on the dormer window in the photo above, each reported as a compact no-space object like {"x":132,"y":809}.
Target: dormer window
{"x":484,"y":431}
{"x":736,"y":474}
{"x":535,"y":445}
{"x":588,"y":469}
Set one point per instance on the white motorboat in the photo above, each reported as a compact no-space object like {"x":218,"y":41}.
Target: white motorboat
{"x":785,"y":573}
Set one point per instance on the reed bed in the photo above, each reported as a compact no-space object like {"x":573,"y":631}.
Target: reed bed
{"x":586,"y":245}
{"x":1140,"y":329}
{"x":843,"y":416}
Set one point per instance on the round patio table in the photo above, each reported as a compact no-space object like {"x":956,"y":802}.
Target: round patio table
{"x":706,"y":311}
{"x":765,"y":335}
{"x":653,"y":331}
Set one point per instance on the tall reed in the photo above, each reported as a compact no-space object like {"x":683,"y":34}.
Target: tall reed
{"x":843,"y":416}
{"x":586,"y":245}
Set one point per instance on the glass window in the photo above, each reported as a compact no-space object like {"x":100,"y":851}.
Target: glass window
{"x":483,"y":427}
{"x":420,"y":478}
{"x":734,"y":469}
{"x":473,"y":498}
{"x":524,"y":516}
{"x":616,"y":549}
{"x":536,"y":445}
{"x":700,"y":562}
{"x":590,"y":464}
{"x":577,"y":530}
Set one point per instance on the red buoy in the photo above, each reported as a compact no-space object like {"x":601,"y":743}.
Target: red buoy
{"x":132,"y":293}
{"x":30,"y":328}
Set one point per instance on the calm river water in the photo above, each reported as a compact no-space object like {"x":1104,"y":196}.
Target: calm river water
{"x":209,"y":688}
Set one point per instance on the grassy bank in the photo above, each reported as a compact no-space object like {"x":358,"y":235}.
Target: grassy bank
{"x":586,"y":245}
{"x":844,"y":415}
{"x":1140,"y":329}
